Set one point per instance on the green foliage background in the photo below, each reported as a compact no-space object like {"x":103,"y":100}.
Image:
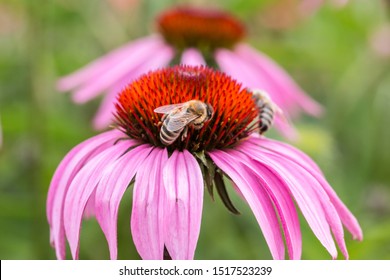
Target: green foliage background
{"x":329,"y":53}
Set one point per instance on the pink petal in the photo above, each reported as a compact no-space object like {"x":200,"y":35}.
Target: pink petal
{"x":97,"y":67}
{"x":346,"y":216}
{"x":256,"y":197}
{"x":62,"y":178}
{"x":81,"y":188}
{"x":147,"y":217}
{"x":285,"y":150}
{"x":306,"y":162}
{"x":334,"y":222}
{"x":286,"y":85}
{"x":104,"y":116}
{"x":332,"y":216}
{"x":111,"y":188}
{"x":192,"y":57}
{"x":243,"y":72}
{"x":158,"y":54}
{"x":90,"y":210}
{"x":183,"y":183}
{"x":301,"y":187}
{"x":281,"y":199}
{"x":80,"y":152}
{"x":234,"y":65}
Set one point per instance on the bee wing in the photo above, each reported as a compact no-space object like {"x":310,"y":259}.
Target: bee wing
{"x":180,"y":120}
{"x":279,"y":112}
{"x":168,"y":108}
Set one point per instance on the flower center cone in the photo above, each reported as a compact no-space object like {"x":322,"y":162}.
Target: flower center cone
{"x":203,"y":29}
{"x":233,"y":107}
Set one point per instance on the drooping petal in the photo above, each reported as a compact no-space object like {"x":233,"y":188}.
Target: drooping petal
{"x":192,"y":57}
{"x":90,"y":210}
{"x":62,"y":178}
{"x":81,"y":188}
{"x":183,"y":183}
{"x":110,"y":190}
{"x":346,"y":216}
{"x":232,"y":64}
{"x":256,"y":197}
{"x":158,"y":55}
{"x":306,"y":162}
{"x":235,"y":66}
{"x":331,"y":214}
{"x":72,"y":162}
{"x":147,"y":217}
{"x":301,"y":187}
{"x":100,"y":65}
{"x":283,"y":149}
{"x":287,"y":87}
{"x":104,"y":116}
{"x":282,"y":200}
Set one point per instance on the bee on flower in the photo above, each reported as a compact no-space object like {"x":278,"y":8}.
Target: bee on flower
{"x":179,"y":117}
{"x":191,"y":36}
{"x":168,"y":178}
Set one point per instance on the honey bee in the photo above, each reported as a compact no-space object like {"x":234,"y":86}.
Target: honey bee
{"x":178,"y":117}
{"x":266,"y":108}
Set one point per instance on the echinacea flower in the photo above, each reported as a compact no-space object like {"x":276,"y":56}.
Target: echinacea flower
{"x":168,"y":181}
{"x":190,"y":36}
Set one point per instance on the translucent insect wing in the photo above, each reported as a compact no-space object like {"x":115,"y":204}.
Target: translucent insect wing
{"x":180,"y":120}
{"x":168,"y":108}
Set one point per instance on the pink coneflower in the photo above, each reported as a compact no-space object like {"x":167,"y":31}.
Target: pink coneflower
{"x":287,"y":14}
{"x":380,"y":41}
{"x":308,"y":7}
{"x":193,"y":37}
{"x":168,"y":181}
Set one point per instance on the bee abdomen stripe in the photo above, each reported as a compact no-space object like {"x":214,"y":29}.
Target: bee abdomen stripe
{"x":266,"y":118}
{"x":166,"y":140}
{"x":166,"y":132}
{"x":267,"y":110}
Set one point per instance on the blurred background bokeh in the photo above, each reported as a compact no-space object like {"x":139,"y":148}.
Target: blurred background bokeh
{"x":337,"y":50}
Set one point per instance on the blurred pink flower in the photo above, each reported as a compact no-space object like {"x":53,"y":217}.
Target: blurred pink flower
{"x":168,"y":181}
{"x":308,"y":7}
{"x":193,"y":37}
{"x":380,"y":41}
{"x":124,"y":5}
{"x":286,"y":14}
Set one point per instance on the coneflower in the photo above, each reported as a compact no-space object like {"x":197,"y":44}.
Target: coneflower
{"x":168,"y":181}
{"x":190,"y":36}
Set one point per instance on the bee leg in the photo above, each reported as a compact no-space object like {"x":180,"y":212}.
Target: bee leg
{"x":184,"y":134}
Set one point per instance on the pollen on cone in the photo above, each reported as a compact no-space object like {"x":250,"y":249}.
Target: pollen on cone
{"x":234,"y":108}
